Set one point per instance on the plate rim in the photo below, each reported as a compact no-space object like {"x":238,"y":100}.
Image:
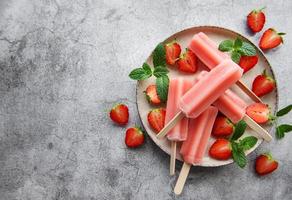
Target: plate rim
{"x":230,"y":161}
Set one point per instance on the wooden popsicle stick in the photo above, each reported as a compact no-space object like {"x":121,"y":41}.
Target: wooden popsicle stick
{"x":170,"y":124}
{"x":257,"y":128}
{"x":182,"y":178}
{"x":247,"y":91}
{"x":172,"y":158}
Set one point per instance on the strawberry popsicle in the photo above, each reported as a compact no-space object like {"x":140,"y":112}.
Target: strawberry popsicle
{"x":199,"y":133}
{"x":204,"y":93}
{"x":234,"y":108}
{"x":231,"y":105}
{"x":194,"y":147}
{"x":177,"y":87}
{"x":209,"y":88}
{"x":208,"y":53}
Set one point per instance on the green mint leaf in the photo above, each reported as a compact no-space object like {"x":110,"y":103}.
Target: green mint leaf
{"x":237,"y":43}
{"x":238,"y":155}
{"x":282,"y":129}
{"x":159,"y":55}
{"x":284,"y":111}
{"x":226,"y":45}
{"x":235,"y":56}
{"x":160,"y":71}
{"x":147,"y":68}
{"x":162,"y":87}
{"x":139,"y":74}
{"x":247,"y":49}
{"x":247,"y":143}
{"x":239,"y":130}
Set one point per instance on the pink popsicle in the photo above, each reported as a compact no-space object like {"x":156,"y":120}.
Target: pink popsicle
{"x":209,"y":88}
{"x":231,"y":105}
{"x":206,"y":50}
{"x":177,"y":87}
{"x":199,"y":133}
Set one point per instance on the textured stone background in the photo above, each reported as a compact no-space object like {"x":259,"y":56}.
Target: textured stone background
{"x":63,"y":64}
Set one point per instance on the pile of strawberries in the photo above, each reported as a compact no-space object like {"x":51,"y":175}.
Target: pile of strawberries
{"x":223,"y":129}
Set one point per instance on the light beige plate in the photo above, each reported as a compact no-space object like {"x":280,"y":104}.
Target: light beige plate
{"x":217,"y":34}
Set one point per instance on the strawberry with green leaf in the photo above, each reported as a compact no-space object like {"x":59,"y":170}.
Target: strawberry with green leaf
{"x":256,"y":20}
{"x":265,"y":164}
{"x":260,"y":113}
{"x":187,"y":62}
{"x":271,"y":39}
{"x":263,"y":84}
{"x":172,"y":52}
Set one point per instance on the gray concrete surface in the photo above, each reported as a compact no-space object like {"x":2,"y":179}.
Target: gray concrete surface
{"x":63,"y":64}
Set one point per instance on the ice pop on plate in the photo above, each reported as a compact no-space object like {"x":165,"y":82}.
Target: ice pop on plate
{"x":233,"y":107}
{"x":194,"y":147}
{"x":205,"y":92}
{"x":208,"y":53}
{"x":177,"y":87}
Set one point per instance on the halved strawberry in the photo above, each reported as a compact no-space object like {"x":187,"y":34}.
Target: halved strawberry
{"x":172,"y":52}
{"x":265,"y":164}
{"x":271,"y":39}
{"x":248,"y":62}
{"x":187,"y":62}
{"x":151,"y":95}
{"x":222,"y":127}
{"x":256,"y":20}
{"x":120,"y":114}
{"x":259,"y":112}
{"x":134,"y":137}
{"x":221,"y":149}
{"x":263,"y":84}
{"x":156,"y":118}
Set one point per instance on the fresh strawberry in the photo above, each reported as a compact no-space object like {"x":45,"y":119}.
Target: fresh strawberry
{"x":120,"y":114}
{"x":187,"y":62}
{"x":265,"y":164}
{"x":220,"y":149}
{"x":263,"y":84}
{"x":134,"y":137}
{"x":151,"y":95}
{"x":270,"y":39}
{"x":172,"y":52}
{"x":256,"y":20}
{"x":222,"y":127}
{"x":248,"y":62}
{"x":259,"y":112}
{"x":156,"y":118}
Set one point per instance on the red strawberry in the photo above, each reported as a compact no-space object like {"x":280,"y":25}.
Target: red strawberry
{"x":120,"y":114}
{"x":270,"y":39}
{"x":220,"y":149}
{"x":156,"y":118}
{"x":187,"y":62}
{"x":248,"y":62}
{"x":134,"y":137}
{"x":259,"y":112}
{"x":265,"y":164}
{"x":172,"y":51}
{"x":263,"y":84}
{"x":222,"y":126}
{"x":256,"y":20}
{"x":151,"y":95}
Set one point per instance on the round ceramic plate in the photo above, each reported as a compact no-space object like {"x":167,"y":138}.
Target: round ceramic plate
{"x":217,"y":34}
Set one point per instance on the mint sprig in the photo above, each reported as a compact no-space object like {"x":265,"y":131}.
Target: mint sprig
{"x":282,"y":129}
{"x":162,"y":83}
{"x":239,"y":147}
{"x":237,"y":48}
{"x":160,"y":72}
{"x":159,"y":56}
{"x":284,"y":111}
